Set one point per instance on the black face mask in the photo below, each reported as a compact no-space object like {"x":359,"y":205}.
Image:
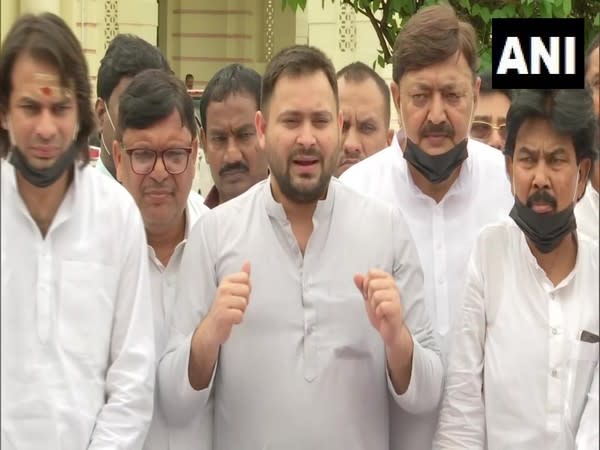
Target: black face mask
{"x":546,"y":231}
{"x":43,"y":177}
{"x":436,"y":168}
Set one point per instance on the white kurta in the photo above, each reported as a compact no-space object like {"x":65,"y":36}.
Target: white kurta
{"x":444,"y":234}
{"x":519,"y":375}
{"x":305,"y":369}
{"x":586,"y":213}
{"x":163,"y":281}
{"x":78,"y":353}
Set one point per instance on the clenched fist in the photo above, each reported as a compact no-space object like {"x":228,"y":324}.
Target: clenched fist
{"x":229,"y":305}
{"x":382,"y":302}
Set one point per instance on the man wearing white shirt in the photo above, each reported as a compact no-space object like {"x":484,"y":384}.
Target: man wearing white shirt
{"x":77,"y":337}
{"x":586,"y":210}
{"x":156,"y":144}
{"x":525,"y":352}
{"x":284,"y":336}
{"x":446,"y":185}
{"x":126,"y":56}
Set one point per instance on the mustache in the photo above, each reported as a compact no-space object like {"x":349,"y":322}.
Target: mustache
{"x":439,"y":128}
{"x":236,"y":166}
{"x":301,"y":151}
{"x":541,"y":197}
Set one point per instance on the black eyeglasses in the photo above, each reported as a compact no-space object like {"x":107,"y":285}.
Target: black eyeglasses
{"x":143,"y":160}
{"x":482,"y":130}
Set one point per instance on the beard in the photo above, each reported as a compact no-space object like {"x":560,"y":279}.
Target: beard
{"x":301,"y":189}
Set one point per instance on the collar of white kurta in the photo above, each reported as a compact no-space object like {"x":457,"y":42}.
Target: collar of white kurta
{"x":539,"y":273}
{"x":194,"y":208}
{"x":65,"y":208}
{"x":322,"y":211}
{"x":461,"y":184}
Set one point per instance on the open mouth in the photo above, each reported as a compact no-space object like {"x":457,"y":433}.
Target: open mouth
{"x":542,"y":208}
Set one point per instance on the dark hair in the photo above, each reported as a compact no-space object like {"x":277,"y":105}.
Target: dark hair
{"x":152,"y":96}
{"x":358,"y":72}
{"x":570,"y":111}
{"x":231,"y":79}
{"x":126,"y":56}
{"x":296,"y":61}
{"x":431,"y":35}
{"x":46,"y":37}
{"x":594,"y":44}
{"x":486,"y":85}
{"x":189,"y":76}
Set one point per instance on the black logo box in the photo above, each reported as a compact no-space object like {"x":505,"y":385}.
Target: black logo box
{"x":524,"y":30}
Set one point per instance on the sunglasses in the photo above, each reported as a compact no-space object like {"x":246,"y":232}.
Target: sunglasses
{"x":482,"y":130}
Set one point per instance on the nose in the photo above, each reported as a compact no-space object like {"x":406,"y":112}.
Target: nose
{"x":159,"y":173}
{"x":306,"y":137}
{"x":495,"y":140}
{"x":540,"y":177}
{"x":46,"y":127}
{"x":352,"y":147}
{"x":232,"y":152}
{"x":437,"y":110}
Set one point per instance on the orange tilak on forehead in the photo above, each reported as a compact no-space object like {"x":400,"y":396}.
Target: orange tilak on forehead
{"x":49,"y":85}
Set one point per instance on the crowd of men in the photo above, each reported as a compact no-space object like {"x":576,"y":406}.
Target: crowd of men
{"x":342,"y":286}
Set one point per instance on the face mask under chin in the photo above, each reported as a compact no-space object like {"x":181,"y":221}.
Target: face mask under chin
{"x":436,"y":168}
{"x":43,"y":177}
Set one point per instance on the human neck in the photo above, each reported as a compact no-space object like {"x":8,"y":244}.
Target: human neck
{"x":43,"y":203}
{"x":560,"y":262}
{"x":108,"y":162}
{"x":164,"y":239}
{"x":437,"y":191}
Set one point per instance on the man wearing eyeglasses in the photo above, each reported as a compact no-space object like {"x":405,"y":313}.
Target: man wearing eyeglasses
{"x":489,"y":121}
{"x":155,"y":148}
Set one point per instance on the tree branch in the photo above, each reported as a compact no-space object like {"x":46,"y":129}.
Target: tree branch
{"x":376,"y":25}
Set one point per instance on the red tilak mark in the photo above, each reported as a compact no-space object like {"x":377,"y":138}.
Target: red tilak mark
{"x":46,"y":90}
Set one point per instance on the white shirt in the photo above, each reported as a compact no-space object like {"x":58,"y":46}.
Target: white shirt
{"x":444,"y":233}
{"x":163,"y":282}
{"x":77,"y":341}
{"x":305,"y":369}
{"x":586,"y":213}
{"x":101,"y":168}
{"x":518,"y":373}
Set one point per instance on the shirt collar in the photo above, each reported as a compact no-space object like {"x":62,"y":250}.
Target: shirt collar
{"x":461,"y":184}
{"x":100,"y":167}
{"x":322,"y":211}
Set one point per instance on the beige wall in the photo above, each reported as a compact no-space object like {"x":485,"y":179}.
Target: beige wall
{"x":202,"y":36}
{"x":331,"y":29}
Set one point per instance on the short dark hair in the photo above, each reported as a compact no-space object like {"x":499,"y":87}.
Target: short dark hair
{"x":126,"y":56}
{"x":46,"y":37}
{"x":231,"y":79}
{"x":570,"y":111}
{"x":152,"y":96}
{"x":189,"y":76}
{"x":358,"y":72}
{"x":296,"y":61}
{"x":486,"y":85}
{"x":431,"y":35}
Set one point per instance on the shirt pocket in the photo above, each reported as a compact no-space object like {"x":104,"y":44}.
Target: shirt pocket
{"x":86,"y":305}
{"x":580,"y":375}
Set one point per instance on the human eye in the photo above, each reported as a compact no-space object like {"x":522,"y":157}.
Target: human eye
{"x":143,"y":155}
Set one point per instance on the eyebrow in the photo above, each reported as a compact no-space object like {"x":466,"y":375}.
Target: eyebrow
{"x":482,"y":118}
{"x":556,"y":151}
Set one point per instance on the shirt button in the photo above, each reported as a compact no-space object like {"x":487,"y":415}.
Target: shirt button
{"x":554,"y":331}
{"x":554,"y":373}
